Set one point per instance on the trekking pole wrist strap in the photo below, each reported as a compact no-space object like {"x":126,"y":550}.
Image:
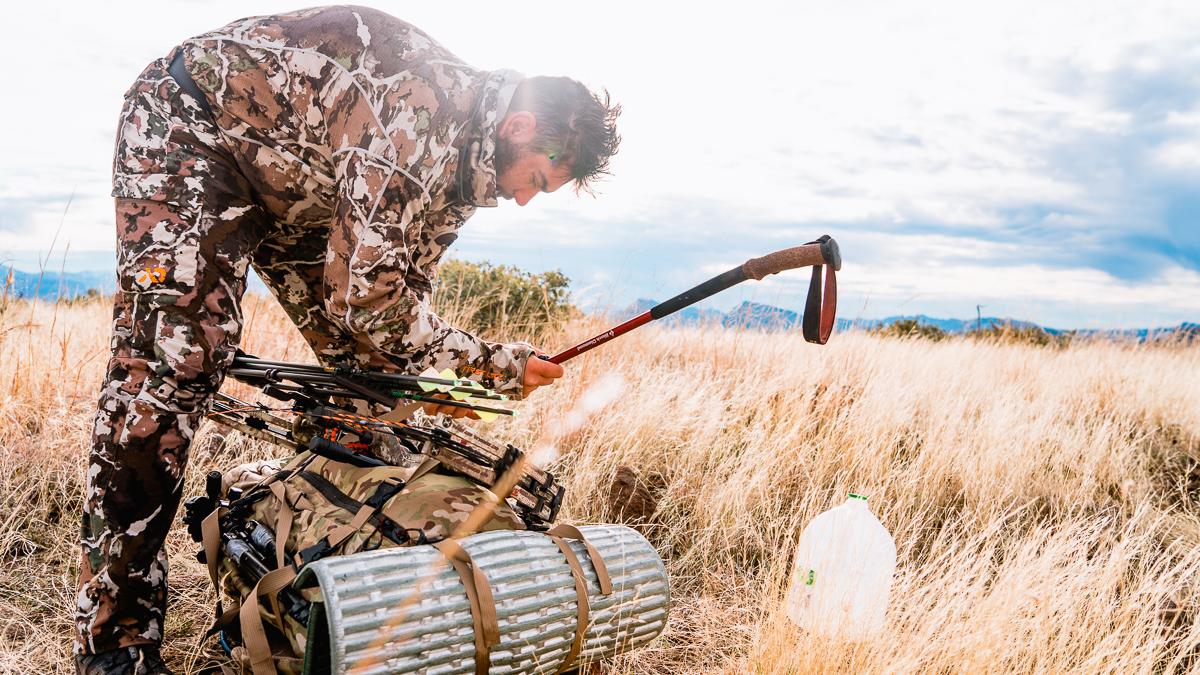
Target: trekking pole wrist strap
{"x":820,"y":307}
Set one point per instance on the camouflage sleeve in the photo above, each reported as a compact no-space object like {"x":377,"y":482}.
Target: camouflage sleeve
{"x":378,"y":224}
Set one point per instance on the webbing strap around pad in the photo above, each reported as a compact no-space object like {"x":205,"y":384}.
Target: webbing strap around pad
{"x":558,"y":533}
{"x":572,"y":532}
{"x":483,"y":605}
{"x":583,"y":606}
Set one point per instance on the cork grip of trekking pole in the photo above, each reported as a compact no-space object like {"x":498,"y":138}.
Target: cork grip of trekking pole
{"x":824,"y":251}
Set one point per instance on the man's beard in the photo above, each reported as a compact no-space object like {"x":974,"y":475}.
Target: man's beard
{"x":507,"y":153}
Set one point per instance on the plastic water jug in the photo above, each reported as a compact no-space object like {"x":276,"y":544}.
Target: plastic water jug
{"x":843,"y":572}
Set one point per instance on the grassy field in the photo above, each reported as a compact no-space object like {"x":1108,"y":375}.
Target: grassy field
{"x":1044,"y":501}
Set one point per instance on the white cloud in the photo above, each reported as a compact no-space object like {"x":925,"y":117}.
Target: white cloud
{"x":1179,"y":155}
{"x":1171,"y":289}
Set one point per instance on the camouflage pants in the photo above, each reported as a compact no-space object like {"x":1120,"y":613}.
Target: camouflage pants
{"x":188,"y":228}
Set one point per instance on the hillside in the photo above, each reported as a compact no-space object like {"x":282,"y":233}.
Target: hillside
{"x":760,"y":316}
{"x":1044,"y":501}
{"x":53,"y":285}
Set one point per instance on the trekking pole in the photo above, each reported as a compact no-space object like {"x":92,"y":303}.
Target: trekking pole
{"x":820,"y":309}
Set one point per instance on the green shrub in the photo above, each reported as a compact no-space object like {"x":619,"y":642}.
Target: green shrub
{"x":502,"y":302}
{"x":910,"y":328}
{"x":1030,"y":335}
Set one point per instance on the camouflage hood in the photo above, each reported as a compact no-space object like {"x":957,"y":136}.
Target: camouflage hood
{"x":477,"y":157}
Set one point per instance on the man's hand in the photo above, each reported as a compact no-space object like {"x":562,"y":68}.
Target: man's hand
{"x":539,"y":373}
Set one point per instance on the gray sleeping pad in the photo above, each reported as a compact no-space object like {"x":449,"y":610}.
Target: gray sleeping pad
{"x":374,"y":625}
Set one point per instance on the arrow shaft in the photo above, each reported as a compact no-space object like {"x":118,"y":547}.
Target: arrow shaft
{"x":314,"y":374}
{"x":454,"y":404}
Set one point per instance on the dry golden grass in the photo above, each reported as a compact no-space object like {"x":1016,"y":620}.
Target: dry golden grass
{"x":1043,"y":501}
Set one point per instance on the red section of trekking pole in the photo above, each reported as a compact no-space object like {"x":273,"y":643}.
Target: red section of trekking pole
{"x":600,"y":339}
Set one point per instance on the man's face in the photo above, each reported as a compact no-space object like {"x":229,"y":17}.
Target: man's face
{"x":520,"y":173}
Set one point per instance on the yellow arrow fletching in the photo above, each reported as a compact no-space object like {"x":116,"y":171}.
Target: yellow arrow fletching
{"x":447,"y":374}
{"x":470,"y":384}
{"x":428,"y":386}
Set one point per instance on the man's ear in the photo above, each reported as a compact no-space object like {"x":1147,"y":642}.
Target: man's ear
{"x":518,"y":127}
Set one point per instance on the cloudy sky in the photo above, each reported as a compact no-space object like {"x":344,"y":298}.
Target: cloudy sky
{"x":1041,"y":159}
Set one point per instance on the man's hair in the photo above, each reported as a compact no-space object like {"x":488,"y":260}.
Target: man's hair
{"x":573,"y":126}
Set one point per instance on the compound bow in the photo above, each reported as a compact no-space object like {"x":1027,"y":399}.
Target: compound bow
{"x":327,"y":418}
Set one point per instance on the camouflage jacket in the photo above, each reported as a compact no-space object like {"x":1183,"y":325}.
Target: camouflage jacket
{"x":360,"y":127}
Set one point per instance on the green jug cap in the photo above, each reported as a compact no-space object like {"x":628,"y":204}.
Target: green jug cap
{"x":855,"y":495}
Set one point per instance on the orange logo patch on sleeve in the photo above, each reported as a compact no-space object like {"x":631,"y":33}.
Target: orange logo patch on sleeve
{"x":152,"y":274}
{"x":486,"y":373}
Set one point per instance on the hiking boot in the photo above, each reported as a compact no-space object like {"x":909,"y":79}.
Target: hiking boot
{"x":142,"y":660}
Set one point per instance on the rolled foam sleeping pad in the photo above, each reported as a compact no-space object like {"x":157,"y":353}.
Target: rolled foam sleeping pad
{"x":375,"y":627}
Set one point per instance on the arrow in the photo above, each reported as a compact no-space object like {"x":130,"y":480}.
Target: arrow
{"x":439,"y":388}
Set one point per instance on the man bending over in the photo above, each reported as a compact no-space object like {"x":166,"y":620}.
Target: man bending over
{"x":336,"y":150}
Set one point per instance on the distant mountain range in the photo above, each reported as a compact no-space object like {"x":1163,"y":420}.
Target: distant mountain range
{"x":52,"y":285}
{"x":768,"y":317}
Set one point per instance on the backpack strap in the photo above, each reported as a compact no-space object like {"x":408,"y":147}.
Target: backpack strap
{"x":283,"y":523}
{"x":368,"y":512}
{"x":210,"y":529}
{"x":254,"y":634}
{"x":341,"y":533}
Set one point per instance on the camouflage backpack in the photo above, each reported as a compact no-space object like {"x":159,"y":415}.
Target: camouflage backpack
{"x":281,"y":517}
